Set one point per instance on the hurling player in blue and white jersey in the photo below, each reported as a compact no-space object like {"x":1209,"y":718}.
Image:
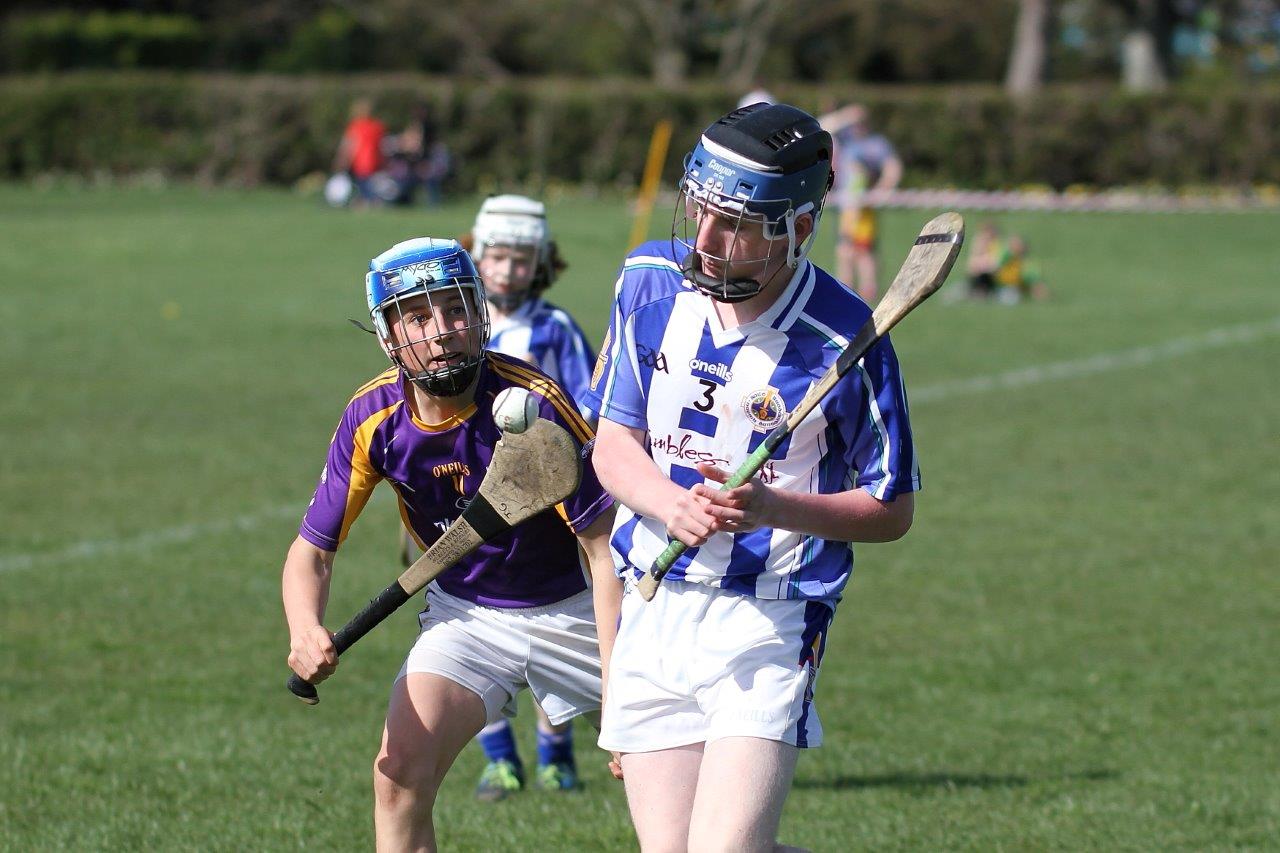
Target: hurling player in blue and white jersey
{"x":518,"y":260}
{"x":713,"y":336}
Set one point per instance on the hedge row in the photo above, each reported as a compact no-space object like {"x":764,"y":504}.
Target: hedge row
{"x":250,"y":130}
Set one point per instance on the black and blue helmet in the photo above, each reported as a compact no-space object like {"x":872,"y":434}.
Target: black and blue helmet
{"x":763,"y":163}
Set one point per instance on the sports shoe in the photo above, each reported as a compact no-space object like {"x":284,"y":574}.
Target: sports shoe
{"x":499,"y":780}
{"x":557,"y":777}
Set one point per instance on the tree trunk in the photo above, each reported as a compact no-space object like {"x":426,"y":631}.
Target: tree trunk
{"x":1028,"y":54}
{"x":1143,"y":52}
{"x":670,"y":64}
{"x":1143,"y":71}
{"x":743,"y":47}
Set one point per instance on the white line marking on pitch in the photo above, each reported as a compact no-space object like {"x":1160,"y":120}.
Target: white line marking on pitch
{"x":1101,"y":363}
{"x":143,"y":542}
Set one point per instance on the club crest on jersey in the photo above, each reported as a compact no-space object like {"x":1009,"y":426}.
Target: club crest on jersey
{"x":602,"y":361}
{"x":764,"y":408}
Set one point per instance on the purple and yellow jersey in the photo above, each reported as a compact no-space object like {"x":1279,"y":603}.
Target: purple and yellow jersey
{"x":435,"y":468}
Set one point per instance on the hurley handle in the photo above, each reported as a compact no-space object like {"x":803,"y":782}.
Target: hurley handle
{"x":648,"y":584}
{"x":362,"y":623}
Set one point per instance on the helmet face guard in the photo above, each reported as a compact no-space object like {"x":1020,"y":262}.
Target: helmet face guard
{"x":753,"y":246}
{"x":429,"y":293}
{"x":517,"y":223}
{"x":755,"y":171}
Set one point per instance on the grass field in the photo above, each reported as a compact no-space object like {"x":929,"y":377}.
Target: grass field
{"x":1077,"y":646}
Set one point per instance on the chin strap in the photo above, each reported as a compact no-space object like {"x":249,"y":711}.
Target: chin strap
{"x":721,"y":290}
{"x":449,"y":384}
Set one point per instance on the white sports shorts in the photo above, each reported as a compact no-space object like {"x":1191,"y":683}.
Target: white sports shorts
{"x":496,"y":652}
{"x":698,"y":663}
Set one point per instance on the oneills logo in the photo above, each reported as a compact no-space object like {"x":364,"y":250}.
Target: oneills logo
{"x":764,"y":408}
{"x":602,"y":361}
{"x":448,"y":469}
{"x":457,"y":472}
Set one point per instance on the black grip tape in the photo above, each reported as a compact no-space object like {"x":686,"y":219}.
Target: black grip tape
{"x":374,"y":612}
{"x":386,"y":603}
{"x":925,"y":239}
{"x":484,"y":519}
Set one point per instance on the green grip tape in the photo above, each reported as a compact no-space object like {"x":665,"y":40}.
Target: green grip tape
{"x":745,"y":472}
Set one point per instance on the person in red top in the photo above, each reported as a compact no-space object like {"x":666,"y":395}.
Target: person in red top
{"x":360,"y":152}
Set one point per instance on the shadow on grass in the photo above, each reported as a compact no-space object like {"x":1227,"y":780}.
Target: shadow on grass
{"x":945,"y":779}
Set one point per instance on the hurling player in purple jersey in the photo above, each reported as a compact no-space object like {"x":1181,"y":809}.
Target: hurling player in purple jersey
{"x":518,"y":260}
{"x":714,"y":335}
{"x":518,"y":612}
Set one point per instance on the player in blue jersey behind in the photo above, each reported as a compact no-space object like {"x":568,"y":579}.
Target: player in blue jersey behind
{"x":518,"y":612}
{"x":518,"y":260}
{"x":713,"y":335}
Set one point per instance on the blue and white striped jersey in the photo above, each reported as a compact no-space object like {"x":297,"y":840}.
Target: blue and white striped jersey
{"x":706,"y":393}
{"x":548,"y":337}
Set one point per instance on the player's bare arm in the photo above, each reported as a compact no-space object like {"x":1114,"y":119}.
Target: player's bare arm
{"x":305,"y":591}
{"x":606,"y":595}
{"x":629,"y":474}
{"x":849,"y":516}
{"x":605,"y":584}
{"x":890,"y":177}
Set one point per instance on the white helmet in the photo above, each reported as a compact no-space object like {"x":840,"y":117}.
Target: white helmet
{"x":514,"y":220}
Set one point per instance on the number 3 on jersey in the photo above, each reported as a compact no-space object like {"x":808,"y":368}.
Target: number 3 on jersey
{"x":707,"y":402}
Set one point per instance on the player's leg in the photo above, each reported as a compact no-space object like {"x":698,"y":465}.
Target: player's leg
{"x":845,"y":252}
{"x":660,"y":793}
{"x":564,"y":677}
{"x":472,"y":646}
{"x":864,"y":254}
{"x":503,"y":773}
{"x":429,"y":720}
{"x":755,"y":775}
{"x":756,"y":681}
{"x":557,"y":768}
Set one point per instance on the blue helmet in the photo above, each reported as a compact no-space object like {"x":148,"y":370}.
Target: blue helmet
{"x":764,"y":164}
{"x":440,"y":339}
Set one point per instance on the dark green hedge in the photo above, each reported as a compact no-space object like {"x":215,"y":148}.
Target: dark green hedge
{"x":255,"y":129}
{"x":71,"y":39}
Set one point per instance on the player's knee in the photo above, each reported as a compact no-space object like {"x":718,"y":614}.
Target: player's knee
{"x":732,"y":830}
{"x":401,"y":783}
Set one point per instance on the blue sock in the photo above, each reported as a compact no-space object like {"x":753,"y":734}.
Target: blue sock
{"x":499,"y":742}
{"x":556,"y":748}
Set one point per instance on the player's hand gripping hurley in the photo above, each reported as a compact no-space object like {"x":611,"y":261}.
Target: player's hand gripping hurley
{"x":530,"y":472}
{"x":923,"y":272}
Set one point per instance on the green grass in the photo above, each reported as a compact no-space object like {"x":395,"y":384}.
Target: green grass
{"x":1077,"y":646}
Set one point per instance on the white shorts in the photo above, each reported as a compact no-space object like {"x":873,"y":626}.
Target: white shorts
{"x":496,"y":652}
{"x":698,"y":663}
